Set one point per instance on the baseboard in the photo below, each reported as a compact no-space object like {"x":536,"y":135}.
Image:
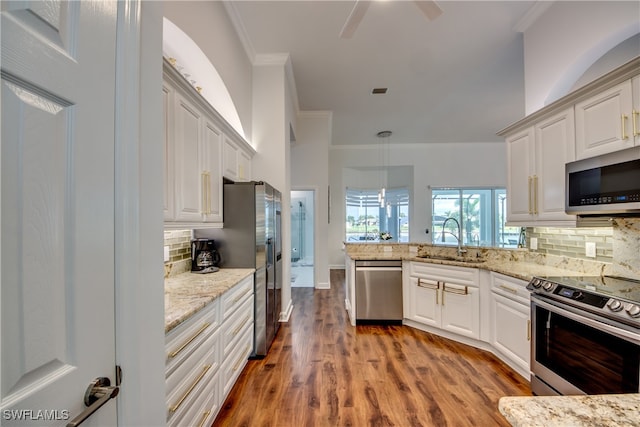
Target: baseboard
{"x":285,"y":315}
{"x":336,"y":267}
{"x":323,"y":285}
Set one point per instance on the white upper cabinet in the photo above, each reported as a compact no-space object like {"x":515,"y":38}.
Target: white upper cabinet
{"x":635,"y":113}
{"x":535,"y":171}
{"x":199,"y":144}
{"x":604,"y":122}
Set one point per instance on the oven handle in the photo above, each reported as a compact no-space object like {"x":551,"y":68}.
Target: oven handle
{"x":586,"y":319}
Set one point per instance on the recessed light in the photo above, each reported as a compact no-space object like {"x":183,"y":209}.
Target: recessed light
{"x":379,"y":90}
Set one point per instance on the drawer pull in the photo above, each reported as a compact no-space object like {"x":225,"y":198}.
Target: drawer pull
{"x":508,"y":289}
{"x":205,"y":415}
{"x":242,"y":357}
{"x":428,"y":284}
{"x":458,"y":291}
{"x":239,"y":328}
{"x":528,"y":330}
{"x":239,"y":297}
{"x":187,"y":342}
{"x":175,"y":407}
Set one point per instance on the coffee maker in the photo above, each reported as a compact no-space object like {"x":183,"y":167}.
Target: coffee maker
{"x":204,"y":256}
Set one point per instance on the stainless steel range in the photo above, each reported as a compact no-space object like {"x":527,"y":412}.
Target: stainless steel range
{"x":585,"y":335}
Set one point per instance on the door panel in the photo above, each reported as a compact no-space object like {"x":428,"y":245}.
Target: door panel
{"x":57,"y":254}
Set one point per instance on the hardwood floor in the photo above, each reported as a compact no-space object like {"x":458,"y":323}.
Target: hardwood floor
{"x":321,"y":371}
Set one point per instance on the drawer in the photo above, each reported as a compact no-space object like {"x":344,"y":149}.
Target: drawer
{"x":235,"y":296}
{"x":182,"y":341}
{"x":188,"y":377}
{"x":235,"y":326}
{"x":232,"y":366}
{"x":205,"y":407}
{"x":450,"y":274}
{"x":510,"y":287}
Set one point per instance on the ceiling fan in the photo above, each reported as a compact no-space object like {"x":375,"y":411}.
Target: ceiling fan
{"x":429,"y":8}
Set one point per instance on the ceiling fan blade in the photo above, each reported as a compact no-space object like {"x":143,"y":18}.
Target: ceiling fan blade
{"x":351,"y":25}
{"x":430,"y":8}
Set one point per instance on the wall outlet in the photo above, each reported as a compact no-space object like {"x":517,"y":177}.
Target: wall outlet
{"x":533,"y":243}
{"x":387,"y":249}
{"x":590,"y":249}
{"x":413,"y":249}
{"x":166,"y":254}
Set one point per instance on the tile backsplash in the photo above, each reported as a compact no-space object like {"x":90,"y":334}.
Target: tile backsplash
{"x":618,"y":244}
{"x":179,"y":242}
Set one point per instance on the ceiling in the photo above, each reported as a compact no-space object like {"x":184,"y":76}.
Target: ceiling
{"x":458,"y":78}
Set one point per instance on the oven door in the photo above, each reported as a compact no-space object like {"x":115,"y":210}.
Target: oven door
{"x":575,"y":352}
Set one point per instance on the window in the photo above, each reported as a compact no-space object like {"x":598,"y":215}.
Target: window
{"x":481,"y":213}
{"x":366,"y":219}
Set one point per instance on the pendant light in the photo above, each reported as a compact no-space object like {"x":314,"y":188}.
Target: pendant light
{"x":384,"y":148}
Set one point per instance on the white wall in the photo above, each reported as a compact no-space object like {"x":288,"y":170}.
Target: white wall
{"x":208,"y":25}
{"x":567,"y":39}
{"x":436,"y":165}
{"x":310,"y":171}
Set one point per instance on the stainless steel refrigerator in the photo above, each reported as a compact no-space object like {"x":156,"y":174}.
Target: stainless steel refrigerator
{"x":251,"y":238}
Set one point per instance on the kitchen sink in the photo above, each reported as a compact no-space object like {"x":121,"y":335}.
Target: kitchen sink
{"x":452,"y":258}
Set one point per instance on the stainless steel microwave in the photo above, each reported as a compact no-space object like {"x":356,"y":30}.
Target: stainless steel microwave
{"x":606,"y":185}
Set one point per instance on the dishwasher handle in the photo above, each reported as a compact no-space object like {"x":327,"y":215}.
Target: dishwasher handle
{"x":378,"y":268}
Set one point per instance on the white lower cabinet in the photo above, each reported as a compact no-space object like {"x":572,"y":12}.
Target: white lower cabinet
{"x":446,"y":297}
{"x":510,"y":321}
{"x":206,"y":354}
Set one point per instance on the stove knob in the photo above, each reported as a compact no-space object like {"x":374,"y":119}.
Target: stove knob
{"x":614,"y":305}
{"x":633,"y":310}
{"x":547,"y":286}
{"x":536,"y":283}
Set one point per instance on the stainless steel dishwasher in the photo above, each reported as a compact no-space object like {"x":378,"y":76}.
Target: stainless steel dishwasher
{"x":379,"y":292}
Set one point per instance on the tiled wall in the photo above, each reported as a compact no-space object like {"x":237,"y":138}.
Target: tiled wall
{"x":570,"y":242}
{"x":179,"y":242}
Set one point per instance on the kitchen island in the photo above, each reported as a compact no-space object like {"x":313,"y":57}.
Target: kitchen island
{"x":575,"y":411}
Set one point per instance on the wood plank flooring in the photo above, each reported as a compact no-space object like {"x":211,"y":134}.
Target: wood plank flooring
{"x":321,"y":371}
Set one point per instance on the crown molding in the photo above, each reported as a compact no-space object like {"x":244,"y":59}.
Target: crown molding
{"x":241,"y":31}
{"x":532,"y":15}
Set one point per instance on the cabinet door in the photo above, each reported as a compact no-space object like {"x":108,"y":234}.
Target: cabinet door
{"x":212,"y":172}
{"x":230,"y":159}
{"x":519,"y":176}
{"x":510,"y":333}
{"x":460,"y":307}
{"x":555,"y":146}
{"x":244,"y":166}
{"x":188,"y":178}
{"x":424,"y":302}
{"x":600,"y":127}
{"x":168,"y":128}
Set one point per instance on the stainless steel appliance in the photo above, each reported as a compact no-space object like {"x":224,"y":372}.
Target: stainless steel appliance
{"x":204,"y":256}
{"x":251,"y":238}
{"x":606,"y":185}
{"x":378,"y":291}
{"x":585,"y":335}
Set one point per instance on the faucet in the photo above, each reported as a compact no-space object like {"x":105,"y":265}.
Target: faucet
{"x":460,"y":250}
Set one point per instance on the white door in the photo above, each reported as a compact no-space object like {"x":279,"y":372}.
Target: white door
{"x":57,"y":253}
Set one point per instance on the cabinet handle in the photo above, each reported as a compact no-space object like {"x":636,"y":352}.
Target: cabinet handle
{"x":205,"y":415}
{"x":175,"y":407}
{"x":428,"y":284}
{"x":634,"y":120}
{"x":203,"y":195}
{"x":529,"y":196}
{"x":239,"y":362}
{"x":458,"y":291}
{"x":239,"y":297}
{"x":528,"y":330}
{"x":188,"y":341}
{"x":535,"y":194}
{"x":508,"y":289}
{"x":624,"y":127}
{"x":239,"y":328}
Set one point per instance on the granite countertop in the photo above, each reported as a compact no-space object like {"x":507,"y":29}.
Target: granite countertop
{"x":187,"y":293}
{"x":574,"y":411}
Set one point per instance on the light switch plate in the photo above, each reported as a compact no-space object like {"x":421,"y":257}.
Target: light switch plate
{"x":533,"y":243}
{"x":413,"y":249}
{"x":166,"y":253}
{"x":590,"y":249}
